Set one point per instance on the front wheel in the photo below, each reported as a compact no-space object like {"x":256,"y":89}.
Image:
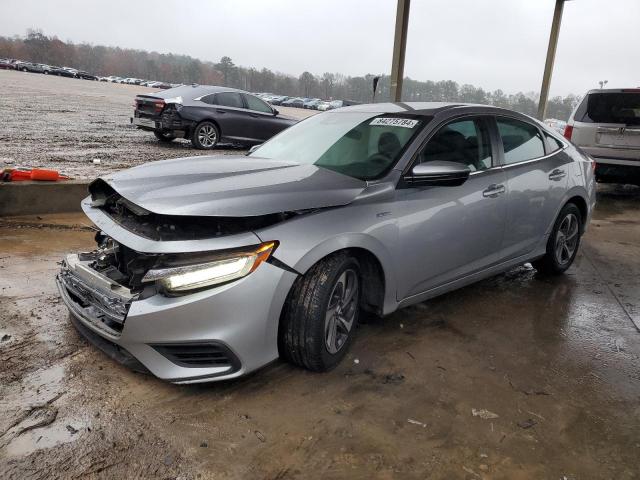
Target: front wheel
{"x":563,"y":243}
{"x":205,"y":136}
{"x":165,"y":137}
{"x":45,"y":72}
{"x":321,"y":314}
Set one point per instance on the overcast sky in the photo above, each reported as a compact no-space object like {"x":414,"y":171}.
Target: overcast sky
{"x":488,"y":43}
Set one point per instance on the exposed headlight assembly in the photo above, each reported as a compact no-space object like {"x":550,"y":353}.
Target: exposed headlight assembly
{"x":230,"y":267}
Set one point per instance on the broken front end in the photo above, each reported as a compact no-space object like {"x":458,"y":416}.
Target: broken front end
{"x":190,"y":300}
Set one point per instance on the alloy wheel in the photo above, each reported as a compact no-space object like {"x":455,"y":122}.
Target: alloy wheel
{"x":207,"y":136}
{"x":341,"y":311}
{"x":566,"y":240}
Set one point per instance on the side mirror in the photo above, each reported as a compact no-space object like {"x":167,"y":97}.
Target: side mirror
{"x":253,"y":149}
{"x":438,"y":173}
{"x":275,"y":112}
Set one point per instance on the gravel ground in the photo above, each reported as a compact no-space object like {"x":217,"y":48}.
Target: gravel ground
{"x":64,"y":123}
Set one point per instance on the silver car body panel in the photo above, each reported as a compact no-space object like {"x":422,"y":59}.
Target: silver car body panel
{"x":232,"y":186}
{"x":427,"y":240}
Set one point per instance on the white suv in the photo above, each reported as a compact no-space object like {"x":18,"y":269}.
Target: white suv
{"x":606,"y":125}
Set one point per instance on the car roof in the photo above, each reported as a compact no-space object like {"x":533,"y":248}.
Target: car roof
{"x":420,"y":108}
{"x":194,"y":91}
{"x":615,"y":90}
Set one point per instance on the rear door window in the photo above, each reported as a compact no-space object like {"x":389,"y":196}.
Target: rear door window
{"x":229,"y":99}
{"x":257,"y":105}
{"x":610,"y":107}
{"x":210,"y":99}
{"x":521,"y":141}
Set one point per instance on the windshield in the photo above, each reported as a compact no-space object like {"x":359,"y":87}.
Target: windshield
{"x":363,"y":145}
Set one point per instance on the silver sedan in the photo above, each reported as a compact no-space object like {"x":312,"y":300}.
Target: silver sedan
{"x":208,"y":268}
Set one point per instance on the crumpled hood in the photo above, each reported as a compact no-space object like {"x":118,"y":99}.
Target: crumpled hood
{"x":232,"y":186}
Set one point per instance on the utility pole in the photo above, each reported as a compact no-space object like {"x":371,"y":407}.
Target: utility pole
{"x":551,"y":56}
{"x":399,"y":47}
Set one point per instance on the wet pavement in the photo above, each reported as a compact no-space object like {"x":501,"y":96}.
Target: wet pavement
{"x":516,"y":377}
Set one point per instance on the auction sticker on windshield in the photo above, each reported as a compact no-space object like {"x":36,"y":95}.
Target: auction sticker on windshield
{"x":394,"y":122}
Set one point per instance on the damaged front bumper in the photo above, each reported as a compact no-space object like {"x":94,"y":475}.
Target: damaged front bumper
{"x":217,"y":333}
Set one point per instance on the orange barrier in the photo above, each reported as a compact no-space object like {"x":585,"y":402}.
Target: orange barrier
{"x":37,"y":174}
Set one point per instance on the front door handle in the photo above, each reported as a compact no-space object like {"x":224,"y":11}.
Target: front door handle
{"x":557,"y":174}
{"x":493,"y":191}
{"x":220,"y":110}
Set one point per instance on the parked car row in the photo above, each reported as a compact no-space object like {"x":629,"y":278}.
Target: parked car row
{"x":13,"y":64}
{"x":304,"y":102}
{"x":139,"y":81}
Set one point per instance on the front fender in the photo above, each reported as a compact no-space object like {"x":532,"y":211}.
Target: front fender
{"x":306,"y":241}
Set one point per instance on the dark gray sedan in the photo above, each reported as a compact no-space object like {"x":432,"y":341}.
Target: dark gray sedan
{"x":208,"y":115}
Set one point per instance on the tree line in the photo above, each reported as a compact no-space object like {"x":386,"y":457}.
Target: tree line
{"x":102,"y":60}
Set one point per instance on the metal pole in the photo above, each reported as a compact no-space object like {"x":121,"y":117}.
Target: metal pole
{"x":551,"y":56}
{"x":399,"y":47}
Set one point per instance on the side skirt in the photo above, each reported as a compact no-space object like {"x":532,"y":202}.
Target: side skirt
{"x":469,"y":279}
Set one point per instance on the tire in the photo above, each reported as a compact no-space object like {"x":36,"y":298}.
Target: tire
{"x":205,"y":136}
{"x":46,"y":72}
{"x":563,"y":243}
{"x":164,"y":137}
{"x":25,"y":70}
{"x":321,"y":314}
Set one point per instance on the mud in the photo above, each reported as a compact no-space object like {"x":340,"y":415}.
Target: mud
{"x":65,"y":123}
{"x":516,"y":377}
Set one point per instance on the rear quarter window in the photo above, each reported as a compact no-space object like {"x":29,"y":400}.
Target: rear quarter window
{"x":553,"y":144}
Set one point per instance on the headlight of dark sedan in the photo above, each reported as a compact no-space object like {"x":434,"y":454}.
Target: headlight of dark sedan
{"x":180,"y":279}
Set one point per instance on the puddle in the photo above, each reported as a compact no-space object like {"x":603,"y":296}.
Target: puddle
{"x":46,"y":437}
{"x":37,"y":388}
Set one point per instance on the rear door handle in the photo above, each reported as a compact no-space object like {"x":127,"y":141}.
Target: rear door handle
{"x":557,"y":174}
{"x":219,"y":110}
{"x":254,"y":115}
{"x":493,"y":191}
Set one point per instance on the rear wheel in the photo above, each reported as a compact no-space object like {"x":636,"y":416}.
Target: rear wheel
{"x":165,"y":137}
{"x":46,"y":72}
{"x":563,"y":242}
{"x":321,"y":314}
{"x":205,"y":136}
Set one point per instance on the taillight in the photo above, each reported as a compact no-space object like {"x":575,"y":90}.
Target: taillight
{"x":568,"y":131}
{"x":158,"y":105}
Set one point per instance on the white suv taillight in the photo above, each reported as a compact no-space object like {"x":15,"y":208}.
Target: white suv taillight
{"x":568,"y":131}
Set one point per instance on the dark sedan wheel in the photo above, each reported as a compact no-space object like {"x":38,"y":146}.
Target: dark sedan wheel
{"x":165,"y":137}
{"x":321,"y":314}
{"x":563,"y":243}
{"x":46,"y":72}
{"x":205,"y":136}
